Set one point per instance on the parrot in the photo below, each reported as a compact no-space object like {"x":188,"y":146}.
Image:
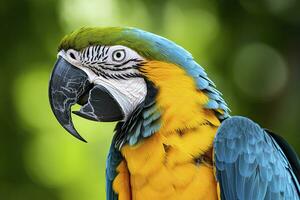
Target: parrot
{"x":174,"y":136}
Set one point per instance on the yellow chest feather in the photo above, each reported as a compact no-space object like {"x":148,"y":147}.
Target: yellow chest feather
{"x":166,"y":165}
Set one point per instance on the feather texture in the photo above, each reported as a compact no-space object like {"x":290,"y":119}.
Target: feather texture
{"x":114,"y":158}
{"x":250,"y":164}
{"x":153,"y":48}
{"x":142,"y":123}
{"x":170,"y":163}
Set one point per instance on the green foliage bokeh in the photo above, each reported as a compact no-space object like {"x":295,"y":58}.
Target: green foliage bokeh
{"x":249,"y":48}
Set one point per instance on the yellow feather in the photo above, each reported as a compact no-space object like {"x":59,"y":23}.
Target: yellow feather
{"x":183,"y":175}
{"x":138,"y":181}
{"x":161,"y":181}
{"x":121,"y":182}
{"x":218,"y":191}
{"x":180,"y":102}
{"x":163,"y":166}
{"x":203,"y":186}
{"x":140,"y":159}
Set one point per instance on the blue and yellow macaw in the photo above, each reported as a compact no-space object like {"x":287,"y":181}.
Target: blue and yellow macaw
{"x":174,"y":138}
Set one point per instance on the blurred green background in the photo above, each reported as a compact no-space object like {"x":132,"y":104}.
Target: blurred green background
{"x":251,"y":49}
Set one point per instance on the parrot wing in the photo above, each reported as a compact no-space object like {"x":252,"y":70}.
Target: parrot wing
{"x":252,"y":163}
{"x":114,"y":158}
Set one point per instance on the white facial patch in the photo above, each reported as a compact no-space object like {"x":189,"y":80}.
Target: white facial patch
{"x":113,"y":67}
{"x":128,"y":93}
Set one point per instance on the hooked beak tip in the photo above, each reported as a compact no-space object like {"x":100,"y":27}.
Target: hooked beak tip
{"x":73,"y":131}
{"x":67,"y":84}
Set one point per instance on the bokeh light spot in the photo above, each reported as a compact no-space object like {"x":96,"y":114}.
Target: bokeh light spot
{"x":259,"y":71}
{"x":200,"y":25}
{"x":76,"y":13}
{"x":31,"y":98}
{"x":265,"y":6}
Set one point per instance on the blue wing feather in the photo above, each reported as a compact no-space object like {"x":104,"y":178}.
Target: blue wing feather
{"x":250,"y":164}
{"x":113,"y":160}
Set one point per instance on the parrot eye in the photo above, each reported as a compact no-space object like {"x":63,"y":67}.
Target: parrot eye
{"x":118,"y":55}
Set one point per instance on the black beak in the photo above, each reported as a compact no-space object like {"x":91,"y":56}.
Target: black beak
{"x":70,"y":85}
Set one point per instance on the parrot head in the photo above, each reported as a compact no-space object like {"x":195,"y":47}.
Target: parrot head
{"x":114,"y":74}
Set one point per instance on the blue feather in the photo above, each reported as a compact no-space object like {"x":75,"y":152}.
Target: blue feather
{"x":149,"y":130}
{"x":113,"y":160}
{"x":212,"y":104}
{"x":151,"y":118}
{"x":201,"y":83}
{"x":250,"y":164}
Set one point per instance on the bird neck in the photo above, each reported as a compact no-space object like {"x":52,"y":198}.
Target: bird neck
{"x":182,"y":105}
{"x":183,"y":142}
{"x":173,"y":103}
{"x":183,"y":117}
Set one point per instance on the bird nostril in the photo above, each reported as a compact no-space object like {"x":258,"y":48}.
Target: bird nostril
{"x":72,"y":56}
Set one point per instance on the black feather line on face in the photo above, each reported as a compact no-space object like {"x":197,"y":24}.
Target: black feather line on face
{"x":115,"y":76}
{"x":98,"y":53}
{"x":111,"y":67}
{"x":91,"y":58}
{"x":107,"y":50}
{"x":105,"y":58}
